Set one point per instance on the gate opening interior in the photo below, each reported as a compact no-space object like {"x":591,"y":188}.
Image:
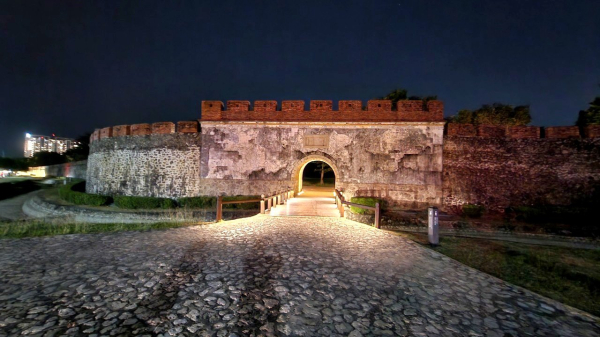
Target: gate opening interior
{"x":317,"y":175}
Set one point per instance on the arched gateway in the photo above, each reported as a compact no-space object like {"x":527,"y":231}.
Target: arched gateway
{"x":395,"y":154}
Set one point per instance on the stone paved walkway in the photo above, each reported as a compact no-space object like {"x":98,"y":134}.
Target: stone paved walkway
{"x":300,"y":276}
{"x":312,"y":201}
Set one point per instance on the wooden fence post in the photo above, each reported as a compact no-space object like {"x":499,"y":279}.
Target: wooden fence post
{"x":219,"y":208}
{"x":377,"y":215}
{"x":268,"y":203}
{"x":262,"y":204}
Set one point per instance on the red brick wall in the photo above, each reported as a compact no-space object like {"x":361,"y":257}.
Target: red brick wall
{"x":521,"y":132}
{"x":562,"y":132}
{"x":105,"y":132}
{"x":121,"y":130}
{"x":163,"y":127}
{"x":491,"y":131}
{"x":350,"y":105}
{"x":378,"y":110}
{"x":592,"y":131}
{"x":238,"y":105}
{"x":463,"y":130}
{"x":141,"y":129}
{"x":94,"y":136}
{"x":187,"y":127}
{"x":321,"y":105}
{"x":264,"y":106}
{"x":379,"y":105}
{"x":292,"y":106}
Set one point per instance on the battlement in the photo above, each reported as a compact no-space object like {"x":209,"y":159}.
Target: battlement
{"x":322,"y":111}
{"x":144,"y":129}
{"x":521,"y":132}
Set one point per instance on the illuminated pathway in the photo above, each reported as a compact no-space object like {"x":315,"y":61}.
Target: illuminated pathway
{"x":296,"y":276}
{"x":312,"y":201}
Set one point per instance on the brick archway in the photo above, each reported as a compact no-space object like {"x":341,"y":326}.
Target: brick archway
{"x":301,"y":164}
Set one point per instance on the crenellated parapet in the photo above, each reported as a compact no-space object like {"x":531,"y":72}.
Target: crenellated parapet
{"x":144,"y":129}
{"x":522,"y":132}
{"x":322,"y":111}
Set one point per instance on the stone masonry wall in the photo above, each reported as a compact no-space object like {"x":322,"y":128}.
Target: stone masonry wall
{"x":501,"y":172}
{"x":158,"y":165}
{"x":401,"y":162}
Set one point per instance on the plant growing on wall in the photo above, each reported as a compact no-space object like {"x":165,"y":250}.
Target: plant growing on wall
{"x":402,"y":95}
{"x":590,"y":116}
{"x":494,"y":114}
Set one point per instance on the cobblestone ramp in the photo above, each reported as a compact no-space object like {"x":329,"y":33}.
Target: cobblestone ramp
{"x":289,"y":276}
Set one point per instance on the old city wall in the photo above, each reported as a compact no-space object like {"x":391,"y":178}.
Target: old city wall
{"x":158,"y":165}
{"x":399,"y":162}
{"x":500,"y":167}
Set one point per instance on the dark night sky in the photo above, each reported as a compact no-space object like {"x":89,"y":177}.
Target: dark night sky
{"x":67,"y":67}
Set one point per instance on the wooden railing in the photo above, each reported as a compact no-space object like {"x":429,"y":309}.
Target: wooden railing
{"x":266,"y":203}
{"x":340,"y":202}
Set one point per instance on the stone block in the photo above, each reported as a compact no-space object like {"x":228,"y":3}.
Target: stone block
{"x":94,"y":136}
{"x":379,"y":105}
{"x":141,"y":129}
{"x":522,"y":131}
{"x":288,"y":106}
{"x":321,"y":105}
{"x":163,"y":127}
{"x":121,"y":130}
{"x":491,"y":131}
{"x":106,"y":132}
{"x":350,"y":105}
{"x":187,"y":127}
{"x":238,"y":105}
{"x":462,"y":130}
{"x":212,"y":110}
{"x":562,"y":132}
{"x":265,"y":106}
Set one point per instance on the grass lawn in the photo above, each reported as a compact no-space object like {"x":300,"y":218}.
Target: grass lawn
{"x":327,"y":182}
{"x":568,"y":275}
{"x":32,"y":228}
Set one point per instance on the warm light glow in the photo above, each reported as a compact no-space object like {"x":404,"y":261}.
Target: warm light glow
{"x":27,"y":135}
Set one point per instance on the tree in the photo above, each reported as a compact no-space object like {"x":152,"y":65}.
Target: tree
{"x":402,"y":95}
{"x":590,"y":116}
{"x":14,"y":164}
{"x":82,"y":151}
{"x":323,"y":168}
{"x":45,"y":158}
{"x":494,"y":114}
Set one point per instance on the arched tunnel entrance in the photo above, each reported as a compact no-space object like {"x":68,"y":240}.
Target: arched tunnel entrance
{"x":314,"y":197}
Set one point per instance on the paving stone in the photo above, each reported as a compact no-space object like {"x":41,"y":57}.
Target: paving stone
{"x":261,"y":276}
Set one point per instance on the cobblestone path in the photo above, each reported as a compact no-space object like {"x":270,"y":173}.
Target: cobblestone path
{"x":265,"y":275}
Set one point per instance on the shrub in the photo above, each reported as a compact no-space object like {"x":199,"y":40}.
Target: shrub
{"x":129,"y":202}
{"x":198,"y":202}
{"x":249,"y":205}
{"x":472,"y":211}
{"x":364,"y":201}
{"x":71,"y":193}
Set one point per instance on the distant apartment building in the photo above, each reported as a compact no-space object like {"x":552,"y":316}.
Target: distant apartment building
{"x":39,"y":143}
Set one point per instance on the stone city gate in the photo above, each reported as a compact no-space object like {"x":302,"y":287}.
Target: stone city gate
{"x":390,"y":152}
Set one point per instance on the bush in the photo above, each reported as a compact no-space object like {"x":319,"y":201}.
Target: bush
{"x":249,"y":205}
{"x":551,"y":214}
{"x":364,"y":201}
{"x":198,"y":202}
{"x":71,"y":193}
{"x":129,"y":202}
{"x":472,"y":211}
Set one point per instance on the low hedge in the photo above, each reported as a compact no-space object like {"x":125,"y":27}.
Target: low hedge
{"x":72,"y":193}
{"x":472,"y":211}
{"x":367,"y":201}
{"x":198,"y":202}
{"x":129,"y":202}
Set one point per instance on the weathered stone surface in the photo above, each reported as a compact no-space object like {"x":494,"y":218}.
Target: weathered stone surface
{"x":140,"y":129}
{"x":401,"y":163}
{"x":155,"y":165}
{"x":512,"y":172}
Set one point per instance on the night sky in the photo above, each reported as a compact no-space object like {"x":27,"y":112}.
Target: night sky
{"x":68,"y":67}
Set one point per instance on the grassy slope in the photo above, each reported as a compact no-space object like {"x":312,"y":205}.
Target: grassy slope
{"x":570,"y":276}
